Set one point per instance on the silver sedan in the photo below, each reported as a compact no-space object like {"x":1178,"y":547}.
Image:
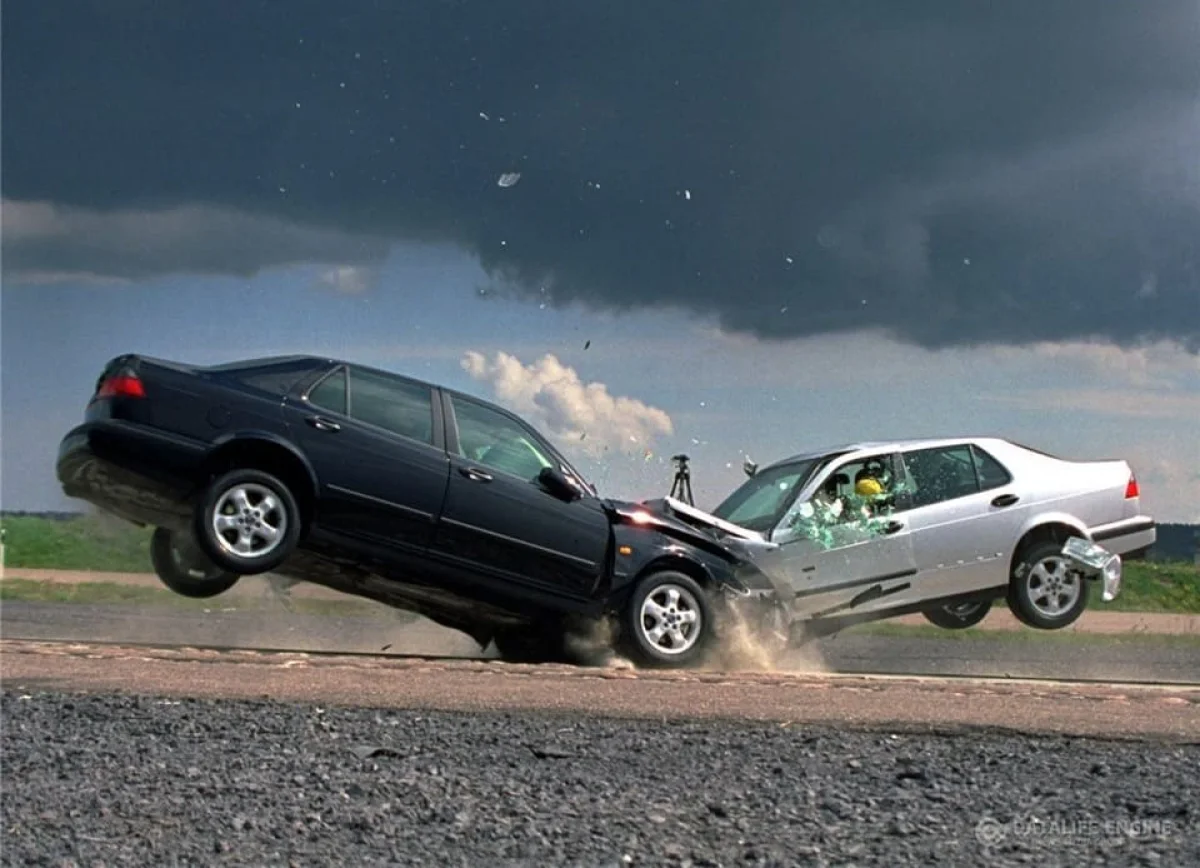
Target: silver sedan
{"x":944,"y":527}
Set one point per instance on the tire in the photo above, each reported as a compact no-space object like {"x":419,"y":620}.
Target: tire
{"x":958,"y":616}
{"x":673,"y":594}
{"x":1044,"y":591}
{"x":217,"y":530}
{"x":183,"y":567}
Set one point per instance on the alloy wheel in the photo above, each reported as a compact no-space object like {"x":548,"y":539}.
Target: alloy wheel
{"x":671,"y":619}
{"x":1052,"y":587}
{"x":249,"y":521}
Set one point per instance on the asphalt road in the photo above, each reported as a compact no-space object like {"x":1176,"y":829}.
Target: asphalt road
{"x":144,"y":780}
{"x":1022,"y":655}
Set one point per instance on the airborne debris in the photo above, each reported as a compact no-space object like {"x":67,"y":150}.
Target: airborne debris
{"x":367,"y":751}
{"x":508,"y":179}
{"x":550,"y":752}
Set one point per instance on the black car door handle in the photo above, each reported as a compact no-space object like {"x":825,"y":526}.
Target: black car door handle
{"x":893,"y":527}
{"x":475,"y":474}
{"x":1005,"y":500}
{"x":322,"y":424}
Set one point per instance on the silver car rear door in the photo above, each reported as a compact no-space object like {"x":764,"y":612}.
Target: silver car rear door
{"x":965,"y":512}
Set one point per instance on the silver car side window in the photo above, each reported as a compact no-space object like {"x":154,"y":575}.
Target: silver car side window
{"x":940,"y":474}
{"x":849,"y":493}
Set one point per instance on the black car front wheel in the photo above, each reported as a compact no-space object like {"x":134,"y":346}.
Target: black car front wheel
{"x":247,"y":521}
{"x":668,"y":622}
{"x":182,"y":567}
{"x":958,"y":616}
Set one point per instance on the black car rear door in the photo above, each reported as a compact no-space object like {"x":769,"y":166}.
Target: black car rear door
{"x":499,"y":521}
{"x":376,"y":445}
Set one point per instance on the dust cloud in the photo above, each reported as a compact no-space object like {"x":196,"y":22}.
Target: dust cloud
{"x":745,"y":647}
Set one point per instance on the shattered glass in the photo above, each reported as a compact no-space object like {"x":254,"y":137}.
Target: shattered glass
{"x":844,"y":519}
{"x":841,"y":513}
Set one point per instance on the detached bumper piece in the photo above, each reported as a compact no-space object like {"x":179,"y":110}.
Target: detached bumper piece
{"x":1097,"y":563}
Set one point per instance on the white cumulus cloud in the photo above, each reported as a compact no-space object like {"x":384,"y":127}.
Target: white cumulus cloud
{"x":552,"y":395}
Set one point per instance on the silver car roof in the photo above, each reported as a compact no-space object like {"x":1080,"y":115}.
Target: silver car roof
{"x":882,"y":445}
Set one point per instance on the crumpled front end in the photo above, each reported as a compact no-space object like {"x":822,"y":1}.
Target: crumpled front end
{"x":739,"y":547}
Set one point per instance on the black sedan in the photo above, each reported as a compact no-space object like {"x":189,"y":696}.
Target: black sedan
{"x":397,"y":490}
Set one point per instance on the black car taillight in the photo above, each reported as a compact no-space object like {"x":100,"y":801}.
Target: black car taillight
{"x":123,"y":384}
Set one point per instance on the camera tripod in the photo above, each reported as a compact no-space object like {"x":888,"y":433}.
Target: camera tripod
{"x":681,"y":488}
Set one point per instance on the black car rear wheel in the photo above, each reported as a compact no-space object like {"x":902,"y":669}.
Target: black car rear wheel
{"x":668,"y":622}
{"x":958,"y":616}
{"x":183,"y":567}
{"x":247,"y":521}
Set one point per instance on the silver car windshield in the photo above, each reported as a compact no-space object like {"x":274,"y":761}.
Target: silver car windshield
{"x":760,"y":502}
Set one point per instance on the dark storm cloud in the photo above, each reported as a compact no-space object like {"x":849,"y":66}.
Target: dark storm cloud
{"x":953,"y":171}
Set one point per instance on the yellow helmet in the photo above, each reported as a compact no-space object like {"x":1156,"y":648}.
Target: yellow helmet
{"x":868,"y":487}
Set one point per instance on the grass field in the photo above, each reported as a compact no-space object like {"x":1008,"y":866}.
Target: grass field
{"x":86,"y":543}
{"x":109,"y":545}
{"x":111,"y":593}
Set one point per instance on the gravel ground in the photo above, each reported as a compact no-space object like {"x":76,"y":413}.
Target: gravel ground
{"x":105,"y":780}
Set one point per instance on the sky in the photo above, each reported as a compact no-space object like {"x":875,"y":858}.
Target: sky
{"x":722,"y":229}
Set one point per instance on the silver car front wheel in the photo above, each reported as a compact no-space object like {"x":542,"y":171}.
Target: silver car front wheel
{"x":958,"y":616}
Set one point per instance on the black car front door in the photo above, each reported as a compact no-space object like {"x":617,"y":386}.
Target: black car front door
{"x":498,"y":520}
{"x":375,"y":444}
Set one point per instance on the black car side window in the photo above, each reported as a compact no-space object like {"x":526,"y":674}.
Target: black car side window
{"x":393,"y":404}
{"x":330,"y":393}
{"x":496,"y":441}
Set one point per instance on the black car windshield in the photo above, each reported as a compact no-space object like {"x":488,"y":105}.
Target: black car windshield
{"x":759,"y":502}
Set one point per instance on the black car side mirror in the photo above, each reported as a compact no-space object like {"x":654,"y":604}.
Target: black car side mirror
{"x":557,"y":483}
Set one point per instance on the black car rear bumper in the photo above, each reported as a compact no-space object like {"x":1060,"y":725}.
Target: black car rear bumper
{"x":142,"y":475}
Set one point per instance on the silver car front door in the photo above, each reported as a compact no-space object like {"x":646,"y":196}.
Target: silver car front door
{"x":838,"y":560}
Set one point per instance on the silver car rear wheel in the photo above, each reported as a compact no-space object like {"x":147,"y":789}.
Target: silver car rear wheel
{"x":1052,"y":587}
{"x":1046,"y":591}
